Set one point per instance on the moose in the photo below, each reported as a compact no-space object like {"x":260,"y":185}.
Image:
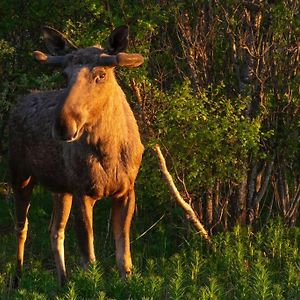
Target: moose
{"x":82,"y":143}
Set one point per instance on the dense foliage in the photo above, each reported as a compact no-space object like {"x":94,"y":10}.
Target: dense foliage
{"x":219,"y":90}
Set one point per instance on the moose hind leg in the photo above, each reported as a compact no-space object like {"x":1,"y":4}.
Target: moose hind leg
{"x":123,"y":209}
{"x":22,"y":192}
{"x":62,"y":204}
{"x":84,"y":228}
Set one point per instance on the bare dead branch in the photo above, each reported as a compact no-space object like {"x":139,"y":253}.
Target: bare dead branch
{"x":190,"y":214}
{"x":294,"y":203}
{"x":264,"y":184}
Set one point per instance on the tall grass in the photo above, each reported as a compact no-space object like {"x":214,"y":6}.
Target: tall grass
{"x":170,"y":262}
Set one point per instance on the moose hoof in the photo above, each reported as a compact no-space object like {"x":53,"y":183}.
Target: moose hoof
{"x":63,"y":281}
{"x":126,"y":273}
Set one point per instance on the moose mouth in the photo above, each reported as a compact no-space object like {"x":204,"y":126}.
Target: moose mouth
{"x":66,"y":136}
{"x":73,"y":138}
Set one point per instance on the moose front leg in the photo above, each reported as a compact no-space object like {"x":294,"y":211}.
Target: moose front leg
{"x":62,"y":204}
{"x":123,"y":209}
{"x":84,"y":228}
{"x":22,"y":192}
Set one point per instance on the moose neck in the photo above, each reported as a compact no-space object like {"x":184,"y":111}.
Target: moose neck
{"x":109,"y":132}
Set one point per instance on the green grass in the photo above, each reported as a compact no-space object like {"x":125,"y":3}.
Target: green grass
{"x":171,"y":262}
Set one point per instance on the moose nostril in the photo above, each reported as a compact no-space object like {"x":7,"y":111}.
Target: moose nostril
{"x":65,"y":132}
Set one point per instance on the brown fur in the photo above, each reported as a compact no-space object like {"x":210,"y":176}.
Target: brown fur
{"x":81,"y":142}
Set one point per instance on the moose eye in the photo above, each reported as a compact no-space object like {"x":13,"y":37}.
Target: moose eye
{"x":100,"y":77}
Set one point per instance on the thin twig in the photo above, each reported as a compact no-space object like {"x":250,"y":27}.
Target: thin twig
{"x":146,"y":231}
{"x":141,"y":235}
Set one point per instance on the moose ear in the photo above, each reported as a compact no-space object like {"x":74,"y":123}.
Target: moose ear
{"x":118,"y":40}
{"x":56,"y":42}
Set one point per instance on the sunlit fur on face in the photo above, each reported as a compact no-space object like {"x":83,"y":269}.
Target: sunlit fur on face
{"x":88,"y":88}
{"x":83,"y":57}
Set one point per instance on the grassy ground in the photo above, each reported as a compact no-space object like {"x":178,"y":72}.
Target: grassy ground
{"x":170,"y":262}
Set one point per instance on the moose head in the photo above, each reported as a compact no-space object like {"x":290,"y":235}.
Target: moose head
{"x":90,"y":76}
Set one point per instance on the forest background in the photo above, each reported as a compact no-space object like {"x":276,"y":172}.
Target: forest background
{"x":219,"y":91}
